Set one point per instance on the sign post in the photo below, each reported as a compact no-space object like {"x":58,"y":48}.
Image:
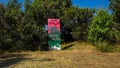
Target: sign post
{"x":54,"y":34}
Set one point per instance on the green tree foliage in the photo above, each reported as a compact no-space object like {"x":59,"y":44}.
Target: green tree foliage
{"x":45,"y":9}
{"x":115,"y":7}
{"x":100,"y":28}
{"x":2,"y":24}
{"x":10,"y":34}
{"x":75,"y":21}
{"x":2,"y":12}
{"x":25,"y":29}
{"x":35,"y":19}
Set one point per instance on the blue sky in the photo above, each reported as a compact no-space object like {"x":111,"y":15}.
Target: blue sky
{"x":82,"y":3}
{"x":104,"y":4}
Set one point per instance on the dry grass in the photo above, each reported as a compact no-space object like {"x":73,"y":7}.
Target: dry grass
{"x":80,"y":55}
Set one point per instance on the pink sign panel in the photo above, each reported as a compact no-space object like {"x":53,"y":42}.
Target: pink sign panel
{"x":53,"y":25}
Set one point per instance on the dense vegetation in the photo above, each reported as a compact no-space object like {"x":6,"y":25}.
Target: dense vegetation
{"x":25,"y":29}
{"x":100,"y":28}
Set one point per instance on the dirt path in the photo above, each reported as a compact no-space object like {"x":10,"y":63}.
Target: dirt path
{"x":60,"y":59}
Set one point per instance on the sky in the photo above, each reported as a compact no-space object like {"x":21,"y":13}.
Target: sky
{"x":103,"y":4}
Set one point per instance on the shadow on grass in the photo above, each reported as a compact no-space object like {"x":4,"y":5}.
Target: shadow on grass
{"x":44,"y":60}
{"x":47,"y":59}
{"x":8,"y":60}
{"x":68,"y":46}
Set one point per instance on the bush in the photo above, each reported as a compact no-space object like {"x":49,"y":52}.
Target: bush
{"x":100,"y":28}
{"x":104,"y":46}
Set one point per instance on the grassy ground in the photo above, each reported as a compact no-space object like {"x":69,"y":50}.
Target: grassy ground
{"x":73,"y":55}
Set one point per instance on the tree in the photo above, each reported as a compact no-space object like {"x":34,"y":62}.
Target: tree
{"x":114,"y":6}
{"x":25,"y":30}
{"x":44,"y":9}
{"x":75,"y":22}
{"x":10,"y":33}
{"x":34,"y":33}
{"x":100,"y":28}
{"x":2,"y":24}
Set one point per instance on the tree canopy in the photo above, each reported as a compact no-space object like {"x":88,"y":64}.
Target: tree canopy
{"x":25,"y":29}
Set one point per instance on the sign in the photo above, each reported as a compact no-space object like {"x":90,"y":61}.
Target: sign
{"x":54,"y":34}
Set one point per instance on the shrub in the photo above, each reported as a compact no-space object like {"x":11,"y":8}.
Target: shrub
{"x":104,"y":46}
{"x":100,"y":28}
